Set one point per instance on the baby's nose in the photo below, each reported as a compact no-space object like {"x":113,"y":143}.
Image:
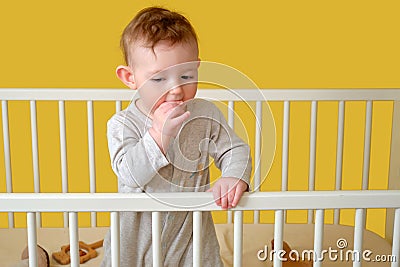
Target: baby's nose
{"x":176,"y":90}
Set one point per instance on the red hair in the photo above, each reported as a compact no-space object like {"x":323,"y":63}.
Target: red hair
{"x":154,"y":24}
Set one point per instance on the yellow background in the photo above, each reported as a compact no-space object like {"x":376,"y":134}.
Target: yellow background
{"x":278,"y":44}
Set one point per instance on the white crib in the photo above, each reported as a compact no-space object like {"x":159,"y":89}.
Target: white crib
{"x":313,"y":200}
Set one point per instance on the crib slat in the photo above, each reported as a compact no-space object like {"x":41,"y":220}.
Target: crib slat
{"x":156,"y":238}
{"x":257,"y":155}
{"x":35,"y":156}
{"x":6,"y":142}
{"x":285,"y":145}
{"x":313,"y":133}
{"x":231,"y":123}
{"x":197,"y":221}
{"x":118,"y":106}
{"x":318,"y":237}
{"x":396,"y":239}
{"x":238,"y":239}
{"x":74,"y":239}
{"x":285,"y":149}
{"x":32,"y":239}
{"x":63,"y":147}
{"x":367,"y":144}
{"x":231,"y":114}
{"x":257,"y":149}
{"x":63,"y":153}
{"x":7,"y":155}
{"x":115,"y":234}
{"x":339,"y":156}
{"x":35,"y":153}
{"x":358,"y":236}
{"x":92,"y":167}
{"x":278,"y":236}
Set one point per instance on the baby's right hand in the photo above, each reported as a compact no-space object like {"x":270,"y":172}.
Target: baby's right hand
{"x":167,"y":121}
{"x":169,"y":117}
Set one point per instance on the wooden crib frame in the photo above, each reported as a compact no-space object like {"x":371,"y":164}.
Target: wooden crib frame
{"x":72,"y":203}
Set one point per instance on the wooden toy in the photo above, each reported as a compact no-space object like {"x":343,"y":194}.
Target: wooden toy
{"x":86,"y":252}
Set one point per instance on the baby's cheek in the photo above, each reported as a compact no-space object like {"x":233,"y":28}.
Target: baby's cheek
{"x":190,"y":92}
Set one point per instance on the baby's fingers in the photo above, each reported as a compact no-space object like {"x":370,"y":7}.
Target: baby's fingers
{"x":238,"y":195}
{"x":224,"y":197}
{"x":231,"y":197}
{"x":167,"y":107}
{"x":216,"y":190}
{"x":177,"y":121}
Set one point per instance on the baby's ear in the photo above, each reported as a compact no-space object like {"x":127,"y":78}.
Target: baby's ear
{"x":125,"y":74}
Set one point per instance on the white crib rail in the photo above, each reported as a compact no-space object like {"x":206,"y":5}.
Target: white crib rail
{"x":108,"y":202}
{"x":279,"y":201}
{"x":76,"y":94}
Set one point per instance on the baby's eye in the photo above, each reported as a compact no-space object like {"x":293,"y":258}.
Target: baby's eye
{"x":157,"y":79}
{"x":186,"y":77}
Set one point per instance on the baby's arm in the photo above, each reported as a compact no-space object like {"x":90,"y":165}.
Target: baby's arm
{"x":232,"y":157}
{"x":135,"y":158}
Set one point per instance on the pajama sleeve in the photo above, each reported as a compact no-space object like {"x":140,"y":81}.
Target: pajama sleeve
{"x":232,"y":154}
{"x":135,"y":159}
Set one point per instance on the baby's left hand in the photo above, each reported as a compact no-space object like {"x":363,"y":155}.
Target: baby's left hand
{"x":227,"y":191}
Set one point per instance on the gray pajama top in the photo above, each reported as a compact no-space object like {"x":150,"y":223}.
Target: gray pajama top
{"x":141,"y":167}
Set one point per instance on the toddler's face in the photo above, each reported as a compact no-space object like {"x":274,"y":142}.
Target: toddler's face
{"x":167,"y":74}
